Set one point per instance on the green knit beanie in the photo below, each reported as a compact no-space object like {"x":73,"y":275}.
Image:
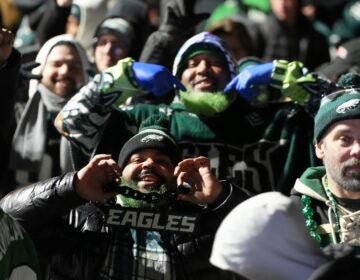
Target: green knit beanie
{"x":340,"y":105}
{"x":153,"y":134}
{"x":198,"y":49}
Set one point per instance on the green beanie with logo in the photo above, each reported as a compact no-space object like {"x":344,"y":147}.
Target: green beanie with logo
{"x":153,"y":134}
{"x":340,"y":105}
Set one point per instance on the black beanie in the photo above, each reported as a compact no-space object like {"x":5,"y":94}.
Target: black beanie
{"x":153,"y":134}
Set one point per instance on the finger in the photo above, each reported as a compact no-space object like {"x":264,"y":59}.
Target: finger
{"x":202,"y":162}
{"x":99,"y":157}
{"x":29,"y":65}
{"x":231,"y":86}
{"x":110,"y":167}
{"x":244,"y":79}
{"x":184,"y":165}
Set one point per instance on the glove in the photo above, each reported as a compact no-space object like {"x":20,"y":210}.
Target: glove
{"x":25,"y":70}
{"x":155,"y":79}
{"x":247,"y":81}
{"x":180,"y":13}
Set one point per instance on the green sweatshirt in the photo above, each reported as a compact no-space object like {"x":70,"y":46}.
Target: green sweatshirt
{"x":310,"y":185}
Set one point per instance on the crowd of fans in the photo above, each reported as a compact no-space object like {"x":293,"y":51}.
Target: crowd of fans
{"x":243,"y":113}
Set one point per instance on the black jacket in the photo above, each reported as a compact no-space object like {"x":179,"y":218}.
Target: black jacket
{"x":9,"y":79}
{"x":303,"y":43}
{"x":65,"y":228}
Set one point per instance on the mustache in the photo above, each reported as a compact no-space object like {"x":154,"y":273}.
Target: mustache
{"x":148,"y":171}
{"x":352,"y":162}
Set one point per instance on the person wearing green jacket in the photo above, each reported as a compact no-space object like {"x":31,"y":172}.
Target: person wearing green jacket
{"x":330,"y":194}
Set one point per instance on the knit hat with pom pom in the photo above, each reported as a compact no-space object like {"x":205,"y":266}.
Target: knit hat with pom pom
{"x":153,"y":134}
{"x":340,"y":105}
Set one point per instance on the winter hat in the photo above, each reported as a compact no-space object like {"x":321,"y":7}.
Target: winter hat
{"x":203,"y":42}
{"x":340,"y":105}
{"x":153,"y":134}
{"x":347,"y":58}
{"x":223,"y":11}
{"x":118,"y":27}
{"x":75,"y":11}
{"x":45,"y":51}
{"x":202,"y":48}
{"x":265,"y":237}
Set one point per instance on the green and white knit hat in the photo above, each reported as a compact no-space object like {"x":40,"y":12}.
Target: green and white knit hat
{"x":340,"y":105}
{"x":153,"y":134}
{"x":203,"y":42}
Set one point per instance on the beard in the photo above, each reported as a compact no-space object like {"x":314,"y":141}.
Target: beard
{"x":161,"y":188}
{"x":345,"y":176}
{"x":205,"y":103}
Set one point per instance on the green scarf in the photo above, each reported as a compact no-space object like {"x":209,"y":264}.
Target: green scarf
{"x":135,"y":203}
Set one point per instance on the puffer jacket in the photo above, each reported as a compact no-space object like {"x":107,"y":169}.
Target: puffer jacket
{"x":72,"y":240}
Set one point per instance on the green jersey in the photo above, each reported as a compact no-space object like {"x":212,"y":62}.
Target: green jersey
{"x":261,"y":148}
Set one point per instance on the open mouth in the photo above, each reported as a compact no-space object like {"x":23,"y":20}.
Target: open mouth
{"x":204,"y":84}
{"x":64,"y":82}
{"x":149,"y":180}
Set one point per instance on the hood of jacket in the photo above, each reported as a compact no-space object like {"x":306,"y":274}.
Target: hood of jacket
{"x":44,"y":53}
{"x":310,"y":183}
{"x":204,"y":38}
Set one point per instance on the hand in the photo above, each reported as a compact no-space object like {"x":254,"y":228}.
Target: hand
{"x":6,"y":44}
{"x":180,"y":13}
{"x":247,"y":81}
{"x":91,"y":179}
{"x":155,"y":79}
{"x":25,"y":70}
{"x":197,"y":173}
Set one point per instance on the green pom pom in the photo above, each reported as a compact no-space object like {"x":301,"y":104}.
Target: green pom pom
{"x":160,"y":122}
{"x":349,"y":80}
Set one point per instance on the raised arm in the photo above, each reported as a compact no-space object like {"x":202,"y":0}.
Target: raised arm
{"x":83,"y":117}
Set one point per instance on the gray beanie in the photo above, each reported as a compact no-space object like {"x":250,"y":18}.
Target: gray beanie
{"x":118,"y":27}
{"x":153,"y":134}
{"x":340,"y":105}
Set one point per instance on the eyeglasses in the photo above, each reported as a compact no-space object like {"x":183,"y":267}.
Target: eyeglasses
{"x":334,"y":95}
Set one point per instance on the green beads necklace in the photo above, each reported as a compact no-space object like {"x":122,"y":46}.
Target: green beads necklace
{"x":308,"y":213}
